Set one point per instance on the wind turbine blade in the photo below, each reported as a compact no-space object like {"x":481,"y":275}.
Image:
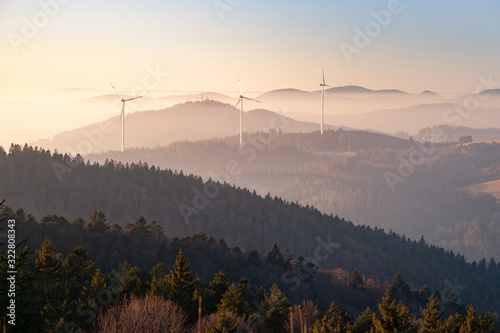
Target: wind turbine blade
{"x":116,"y":91}
{"x":323,"y":70}
{"x":251,"y":99}
{"x":234,"y":107}
{"x":130,"y":99}
{"x":241,"y":90}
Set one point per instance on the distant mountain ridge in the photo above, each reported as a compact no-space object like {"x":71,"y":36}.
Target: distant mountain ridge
{"x":188,"y":121}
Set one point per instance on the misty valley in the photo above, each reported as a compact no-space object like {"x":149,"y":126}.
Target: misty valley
{"x":291,"y":226}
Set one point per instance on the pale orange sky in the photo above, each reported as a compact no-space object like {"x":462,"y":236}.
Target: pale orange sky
{"x":440,"y":46}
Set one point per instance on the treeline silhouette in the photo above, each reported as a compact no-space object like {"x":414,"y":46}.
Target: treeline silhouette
{"x":95,"y":276}
{"x":241,"y":218}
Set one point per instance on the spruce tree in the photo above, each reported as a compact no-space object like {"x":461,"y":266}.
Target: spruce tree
{"x":487,"y":322}
{"x":364,"y":322}
{"x":53,"y":289}
{"x":275,"y":308}
{"x":336,"y":320}
{"x":471,"y":323}
{"x":232,"y":301}
{"x":452,"y":323}
{"x":355,"y":280}
{"x":432,"y":321}
{"x":218,"y":286}
{"x":400,"y":286}
{"x":78,"y":272}
{"x":394,"y":317}
{"x":181,"y":285}
{"x":274,"y":255}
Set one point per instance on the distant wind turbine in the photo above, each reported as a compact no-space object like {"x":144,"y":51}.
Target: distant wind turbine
{"x":122,"y":114}
{"x":240,"y":101}
{"x":323,"y":85}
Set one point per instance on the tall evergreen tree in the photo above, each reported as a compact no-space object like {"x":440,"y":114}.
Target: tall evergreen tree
{"x":53,"y":288}
{"x":399,"y":286}
{"x":432,"y":321}
{"x":78,"y":271}
{"x":97,"y":223}
{"x":275,"y":308}
{"x":364,"y":322}
{"x":218,"y":286}
{"x":336,"y":320}
{"x":181,"y":285}
{"x":487,"y":322}
{"x":471,"y":323}
{"x":452,"y":323}
{"x":274,"y":255}
{"x":232,"y":301}
{"x":355,"y":280}
{"x":395,"y":318}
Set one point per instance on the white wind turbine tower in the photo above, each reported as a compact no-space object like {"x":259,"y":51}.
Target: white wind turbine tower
{"x":323,"y":85}
{"x":240,"y":101}
{"x":122,"y":114}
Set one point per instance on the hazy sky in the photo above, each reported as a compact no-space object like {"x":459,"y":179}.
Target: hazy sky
{"x":425,"y":44}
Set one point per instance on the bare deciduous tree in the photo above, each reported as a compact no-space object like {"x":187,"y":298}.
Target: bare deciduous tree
{"x":151,"y":314}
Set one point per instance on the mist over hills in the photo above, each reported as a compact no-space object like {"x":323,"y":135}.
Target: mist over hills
{"x":188,"y":121}
{"x":344,"y":172}
{"x":178,"y":203}
{"x":346,"y":106}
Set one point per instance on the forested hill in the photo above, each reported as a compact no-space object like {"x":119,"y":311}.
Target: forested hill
{"x":43,"y":183}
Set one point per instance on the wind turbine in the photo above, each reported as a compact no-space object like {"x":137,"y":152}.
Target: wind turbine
{"x":122,"y":114}
{"x":323,"y":85}
{"x":240,"y":101}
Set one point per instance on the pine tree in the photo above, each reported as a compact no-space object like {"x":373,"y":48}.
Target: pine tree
{"x":395,"y":317}
{"x":432,"y":321}
{"x":452,"y":323}
{"x":471,"y":323}
{"x":181,"y":285}
{"x":53,"y":289}
{"x":487,"y":322}
{"x":336,"y":320}
{"x":355,"y":280}
{"x":97,"y":223}
{"x":78,"y":273}
{"x":158,"y":284}
{"x":246,"y":292}
{"x":232,"y":301}
{"x":137,"y":282}
{"x":400,"y":286}
{"x":364,"y":322}
{"x":97,"y":288}
{"x":218,"y":286}
{"x":275,"y":308}
{"x":274,"y":255}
